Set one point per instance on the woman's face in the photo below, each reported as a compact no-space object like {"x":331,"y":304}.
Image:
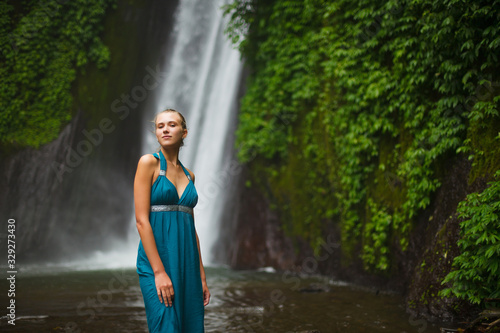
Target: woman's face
{"x":169,"y":131}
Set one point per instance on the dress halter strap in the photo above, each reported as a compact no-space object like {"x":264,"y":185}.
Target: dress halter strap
{"x":186,"y":172}
{"x":163,"y":166}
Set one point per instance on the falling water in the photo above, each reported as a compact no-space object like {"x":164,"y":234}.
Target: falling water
{"x":202,"y":77}
{"x":202,"y":74}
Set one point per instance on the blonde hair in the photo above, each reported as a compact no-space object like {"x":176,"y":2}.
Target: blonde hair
{"x":183,"y":121}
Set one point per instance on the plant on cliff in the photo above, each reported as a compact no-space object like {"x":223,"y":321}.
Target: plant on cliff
{"x":43,"y":44}
{"x":476,"y":271}
{"x":355,"y":108}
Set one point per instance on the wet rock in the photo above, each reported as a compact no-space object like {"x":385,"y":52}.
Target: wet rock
{"x":315,"y":288}
{"x":437,"y":238}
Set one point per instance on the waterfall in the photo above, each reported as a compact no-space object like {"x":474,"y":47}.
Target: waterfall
{"x":202,"y":80}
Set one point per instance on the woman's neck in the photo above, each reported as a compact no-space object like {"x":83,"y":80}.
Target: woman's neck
{"x":171,"y":155}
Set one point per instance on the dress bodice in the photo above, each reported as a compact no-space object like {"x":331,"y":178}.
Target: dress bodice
{"x":163,"y":192}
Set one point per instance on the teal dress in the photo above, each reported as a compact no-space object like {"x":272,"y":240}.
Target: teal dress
{"x":172,"y":222}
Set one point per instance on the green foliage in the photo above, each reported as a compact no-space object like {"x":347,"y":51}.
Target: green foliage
{"x":395,"y":90}
{"x":43,"y":44}
{"x":376,"y":232}
{"x":476,"y":270}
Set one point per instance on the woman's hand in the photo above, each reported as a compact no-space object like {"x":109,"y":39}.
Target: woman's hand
{"x":164,"y":288}
{"x":206,"y":294}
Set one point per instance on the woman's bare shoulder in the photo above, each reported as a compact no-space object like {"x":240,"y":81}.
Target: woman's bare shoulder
{"x":148,"y":161}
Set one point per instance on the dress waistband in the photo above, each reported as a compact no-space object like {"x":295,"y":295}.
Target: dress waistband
{"x":172,"y":208}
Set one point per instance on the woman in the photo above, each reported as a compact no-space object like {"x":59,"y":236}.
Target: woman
{"x":169,"y":264}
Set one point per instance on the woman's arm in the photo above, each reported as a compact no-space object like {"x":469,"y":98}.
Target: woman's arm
{"x":206,"y":292}
{"x":142,"y":199}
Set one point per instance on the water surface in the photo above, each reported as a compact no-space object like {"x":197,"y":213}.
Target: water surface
{"x":58,"y":300}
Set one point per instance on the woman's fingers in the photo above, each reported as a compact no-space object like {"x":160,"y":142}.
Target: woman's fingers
{"x":169,"y":298}
{"x":206,"y":296}
{"x":166,"y":296}
{"x":164,"y":288}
